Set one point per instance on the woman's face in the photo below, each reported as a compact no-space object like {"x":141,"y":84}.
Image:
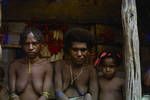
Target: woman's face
{"x":79,"y":52}
{"x":109,"y":67}
{"x":31,"y":46}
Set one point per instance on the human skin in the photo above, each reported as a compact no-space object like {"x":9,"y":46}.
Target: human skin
{"x":147,"y":79}
{"x":111,"y":89}
{"x":111,"y":86}
{"x":74,"y":77}
{"x":30,"y":76}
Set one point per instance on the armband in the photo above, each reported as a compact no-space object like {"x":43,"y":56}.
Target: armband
{"x":13,"y":95}
{"x":45,"y":94}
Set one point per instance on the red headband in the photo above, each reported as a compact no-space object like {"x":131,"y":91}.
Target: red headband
{"x":103,"y":54}
{"x":99,"y":58}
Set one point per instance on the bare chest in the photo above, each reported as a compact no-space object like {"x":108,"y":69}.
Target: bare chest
{"x":32,"y":76}
{"x":110,"y":85}
{"x":79,"y":76}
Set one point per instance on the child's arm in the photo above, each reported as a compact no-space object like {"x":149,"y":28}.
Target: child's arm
{"x":123,"y":90}
{"x":93,"y":89}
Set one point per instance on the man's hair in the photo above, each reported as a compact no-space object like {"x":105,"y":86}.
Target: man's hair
{"x":78,"y":35}
{"x":37,"y":33}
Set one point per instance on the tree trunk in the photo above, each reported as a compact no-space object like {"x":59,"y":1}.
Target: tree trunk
{"x":131,"y":47}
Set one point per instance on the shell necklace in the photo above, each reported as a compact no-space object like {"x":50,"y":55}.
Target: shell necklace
{"x":77,"y":75}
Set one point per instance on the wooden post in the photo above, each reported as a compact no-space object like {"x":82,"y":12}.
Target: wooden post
{"x":131,"y":47}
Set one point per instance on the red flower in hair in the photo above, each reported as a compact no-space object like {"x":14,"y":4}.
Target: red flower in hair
{"x":103,"y":54}
{"x":106,"y":54}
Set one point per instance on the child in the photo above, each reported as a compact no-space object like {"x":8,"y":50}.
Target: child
{"x":110,"y":84}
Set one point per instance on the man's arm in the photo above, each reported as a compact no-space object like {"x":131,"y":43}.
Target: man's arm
{"x":93,"y":89}
{"x":58,"y":82}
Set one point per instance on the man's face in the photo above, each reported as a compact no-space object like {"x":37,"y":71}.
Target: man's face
{"x":31,"y":46}
{"x":109,"y":68}
{"x":79,"y":52}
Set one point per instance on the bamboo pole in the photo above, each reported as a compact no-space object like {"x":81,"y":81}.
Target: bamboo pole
{"x":131,"y":47}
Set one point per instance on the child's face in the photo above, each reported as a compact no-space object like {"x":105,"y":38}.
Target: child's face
{"x":109,"y":68}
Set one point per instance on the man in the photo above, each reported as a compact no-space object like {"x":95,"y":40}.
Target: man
{"x":30,"y":78}
{"x":75,"y":78}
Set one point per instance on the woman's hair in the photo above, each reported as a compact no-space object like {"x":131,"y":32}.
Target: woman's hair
{"x":37,"y":33}
{"x":108,"y":54}
{"x":78,"y":35}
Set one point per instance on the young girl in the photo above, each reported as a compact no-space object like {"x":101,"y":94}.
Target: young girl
{"x":110,"y":84}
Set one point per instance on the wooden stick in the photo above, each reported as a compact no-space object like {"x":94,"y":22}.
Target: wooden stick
{"x":131,"y":47}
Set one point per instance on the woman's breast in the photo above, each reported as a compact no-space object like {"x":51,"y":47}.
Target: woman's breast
{"x":38,"y":85}
{"x":21,"y":82}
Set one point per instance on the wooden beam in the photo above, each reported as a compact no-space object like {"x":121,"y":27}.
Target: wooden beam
{"x":131,"y":47}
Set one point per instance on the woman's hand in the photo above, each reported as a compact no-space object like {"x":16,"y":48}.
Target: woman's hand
{"x":14,"y":97}
{"x":43,"y":98}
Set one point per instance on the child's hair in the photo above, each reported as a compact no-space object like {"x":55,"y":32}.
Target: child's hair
{"x":108,"y":54}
